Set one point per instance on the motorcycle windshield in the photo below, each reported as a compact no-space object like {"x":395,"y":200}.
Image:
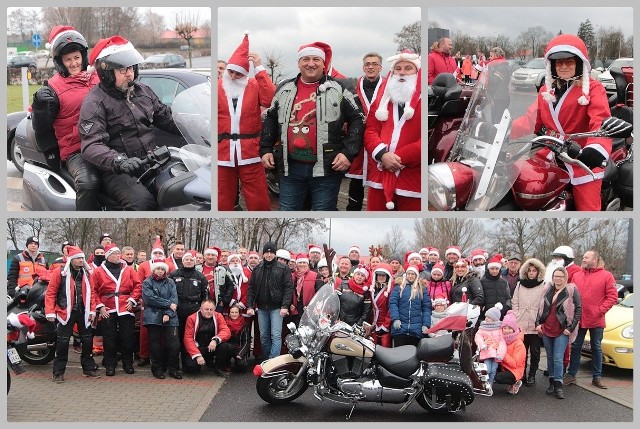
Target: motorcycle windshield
{"x":323,"y":310}
{"x":192,"y":114}
{"x":486,"y":141}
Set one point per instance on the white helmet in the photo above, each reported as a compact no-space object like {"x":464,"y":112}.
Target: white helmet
{"x":564,"y":251}
{"x":322,"y":263}
{"x":284,"y":254}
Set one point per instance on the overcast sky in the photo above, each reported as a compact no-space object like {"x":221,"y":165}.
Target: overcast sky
{"x":351,"y":32}
{"x":511,"y":21}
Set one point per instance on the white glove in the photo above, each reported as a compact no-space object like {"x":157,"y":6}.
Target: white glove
{"x":241,"y":305}
{"x":397,"y":324}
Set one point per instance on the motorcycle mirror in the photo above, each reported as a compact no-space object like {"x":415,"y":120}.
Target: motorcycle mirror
{"x":615,"y":127}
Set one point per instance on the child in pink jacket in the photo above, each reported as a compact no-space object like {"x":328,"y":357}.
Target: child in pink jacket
{"x":490,"y":342}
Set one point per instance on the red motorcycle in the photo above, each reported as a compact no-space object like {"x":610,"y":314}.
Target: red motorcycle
{"x":486,"y":169}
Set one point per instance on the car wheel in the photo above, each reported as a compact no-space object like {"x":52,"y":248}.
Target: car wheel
{"x":16,"y":156}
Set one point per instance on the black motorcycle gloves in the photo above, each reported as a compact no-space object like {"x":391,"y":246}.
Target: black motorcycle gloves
{"x":130,"y":166}
{"x":591,"y":157}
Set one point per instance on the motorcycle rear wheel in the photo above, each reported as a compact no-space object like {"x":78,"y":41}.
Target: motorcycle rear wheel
{"x":38,"y":357}
{"x":439,"y":408}
{"x":272,"y":389}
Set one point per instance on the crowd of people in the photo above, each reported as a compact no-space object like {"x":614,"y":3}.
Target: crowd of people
{"x":213,"y":308}
{"x":316,"y":129}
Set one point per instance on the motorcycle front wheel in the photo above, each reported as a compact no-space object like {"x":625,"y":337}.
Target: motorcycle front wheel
{"x":426,"y":402}
{"x":274,"y":389}
{"x":38,"y":357}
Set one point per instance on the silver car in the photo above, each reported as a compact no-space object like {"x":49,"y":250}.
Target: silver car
{"x":607,"y":80}
{"x":529,"y":76}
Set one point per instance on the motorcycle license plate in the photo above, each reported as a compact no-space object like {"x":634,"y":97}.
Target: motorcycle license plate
{"x":586,"y":346}
{"x":13,"y":356}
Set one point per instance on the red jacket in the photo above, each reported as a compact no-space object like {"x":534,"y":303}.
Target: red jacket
{"x":105,"y":286}
{"x":572,"y":269}
{"x":60,"y":306}
{"x":439,"y":62}
{"x":245,"y":120}
{"x":191,"y":330}
{"x":381,"y":316}
{"x":598,"y":294}
{"x":304,"y":291}
{"x":71,"y":91}
{"x":144,"y":271}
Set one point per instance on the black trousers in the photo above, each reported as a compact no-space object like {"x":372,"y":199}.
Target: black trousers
{"x":62,"y":344}
{"x":532,"y":345}
{"x":356,"y":195}
{"x":127,"y":193}
{"x":87,"y":182}
{"x":504,"y":377}
{"x":220,"y":358}
{"x":403,"y":340}
{"x":118,"y":330}
{"x":165,"y":347}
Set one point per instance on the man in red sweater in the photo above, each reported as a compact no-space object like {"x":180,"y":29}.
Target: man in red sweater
{"x":440,"y":60}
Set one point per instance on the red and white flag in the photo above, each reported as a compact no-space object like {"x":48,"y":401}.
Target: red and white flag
{"x":455,"y":321}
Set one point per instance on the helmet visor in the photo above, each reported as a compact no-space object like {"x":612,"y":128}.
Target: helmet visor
{"x":561,"y":55}
{"x":120,"y":60}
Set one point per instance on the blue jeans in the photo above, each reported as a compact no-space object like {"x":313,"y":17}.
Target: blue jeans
{"x":555,"y":347}
{"x":492,"y":368}
{"x":300,"y":181}
{"x":595,"y":337}
{"x":270,"y":323}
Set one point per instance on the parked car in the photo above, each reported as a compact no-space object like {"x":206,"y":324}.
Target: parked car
{"x":42,"y":53}
{"x":20,"y":60}
{"x":597,"y":67}
{"x":160,"y":61}
{"x":617,"y":341}
{"x":515,"y":64}
{"x":166,"y":83}
{"x":606,"y":78}
{"x":529,"y":76}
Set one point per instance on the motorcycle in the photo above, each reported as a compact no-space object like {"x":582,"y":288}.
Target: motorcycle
{"x":17,"y":337}
{"x":344,"y":366}
{"x":485,"y":168}
{"x":41,"y":349}
{"x":179,"y":177}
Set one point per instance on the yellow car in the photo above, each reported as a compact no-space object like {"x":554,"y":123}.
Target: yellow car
{"x":617,"y":341}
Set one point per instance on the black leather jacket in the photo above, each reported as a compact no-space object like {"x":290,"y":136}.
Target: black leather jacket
{"x":278,"y":284}
{"x":354,"y":308}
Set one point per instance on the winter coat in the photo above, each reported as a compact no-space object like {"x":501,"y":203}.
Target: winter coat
{"x":113,"y":123}
{"x":441,"y":287}
{"x":158,"y":295}
{"x":61,"y":294}
{"x":243,"y":122}
{"x":598,"y":294}
{"x":355,"y":302}
{"x":191,"y":330}
{"x":515,"y":358}
{"x":335,"y":106}
{"x":304,"y":291}
{"x":221,"y":285}
{"x":527,"y":296}
{"x":115,"y":293}
{"x":18,"y":276}
{"x":486,"y":351}
{"x":495,"y":289}
{"x":191,"y":287}
{"x":475,"y":293}
{"x":413,"y":314}
{"x":466,"y":67}
{"x":439,"y":62}
{"x":568,"y":308}
{"x":381,"y":318}
{"x":278,"y":284}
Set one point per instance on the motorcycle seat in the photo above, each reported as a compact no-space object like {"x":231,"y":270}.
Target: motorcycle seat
{"x":401,"y":361}
{"x":436,"y":349}
{"x":446,"y":86}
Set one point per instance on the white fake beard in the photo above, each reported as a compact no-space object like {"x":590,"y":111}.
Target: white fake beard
{"x":479,"y":270}
{"x":555,"y":263}
{"x":236,"y":269}
{"x":234,"y":87}
{"x":401,"y":91}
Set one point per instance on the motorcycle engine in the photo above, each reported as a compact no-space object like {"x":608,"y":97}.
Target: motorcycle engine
{"x":349,"y":367}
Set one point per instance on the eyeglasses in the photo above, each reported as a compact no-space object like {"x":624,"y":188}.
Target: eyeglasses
{"x":372,"y":64}
{"x":558,"y":277}
{"x":565,"y":62}
{"x":124,"y":70}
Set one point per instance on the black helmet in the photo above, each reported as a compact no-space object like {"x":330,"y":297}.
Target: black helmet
{"x":64,"y":40}
{"x":112,"y":54}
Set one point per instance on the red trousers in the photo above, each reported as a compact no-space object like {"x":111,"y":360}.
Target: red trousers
{"x":382,"y":339}
{"x":587,"y":196}
{"x":253,"y":181}
{"x":377,"y":202}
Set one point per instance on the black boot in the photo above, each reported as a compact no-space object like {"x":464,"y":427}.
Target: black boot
{"x":551,"y":389}
{"x":531,"y":380}
{"x":558,"y":389}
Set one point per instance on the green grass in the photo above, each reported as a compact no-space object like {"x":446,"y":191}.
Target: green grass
{"x":14,"y":97}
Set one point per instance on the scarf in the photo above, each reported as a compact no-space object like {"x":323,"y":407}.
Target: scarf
{"x":159,"y":278}
{"x":509,"y":338}
{"x":530,"y":283}
{"x":490,"y":326}
{"x":359,"y":289}
{"x":235,"y":326}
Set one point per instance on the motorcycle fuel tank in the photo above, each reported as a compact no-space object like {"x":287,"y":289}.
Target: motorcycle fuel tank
{"x":347,"y":346}
{"x":539,"y":182}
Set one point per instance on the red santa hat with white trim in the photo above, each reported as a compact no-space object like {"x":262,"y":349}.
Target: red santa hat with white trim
{"x":23,"y":320}
{"x":495,"y":261}
{"x":302,"y":257}
{"x":112,"y":45}
{"x":189,"y":252}
{"x":109,"y":249}
{"x":239,"y":61}
{"x":157,"y":245}
{"x":439,"y":266}
{"x":314,"y":248}
{"x":317,"y":49}
{"x":434,"y":251}
{"x":212,"y":250}
{"x":382,"y":113}
{"x":74,"y":252}
{"x":477,"y":254}
{"x":159,"y":263}
{"x":453,"y":249}
{"x":567,"y":46}
{"x":57,"y":32}
{"x":440,"y":299}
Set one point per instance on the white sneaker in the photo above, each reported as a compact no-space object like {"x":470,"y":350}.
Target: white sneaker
{"x":489,"y":390}
{"x":515,"y":388}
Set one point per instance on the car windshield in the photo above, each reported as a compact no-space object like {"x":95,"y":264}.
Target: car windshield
{"x":155,"y":59}
{"x":536,"y":63}
{"x":627,"y":301}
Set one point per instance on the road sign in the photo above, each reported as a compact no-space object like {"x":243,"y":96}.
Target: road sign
{"x":36,"y":40}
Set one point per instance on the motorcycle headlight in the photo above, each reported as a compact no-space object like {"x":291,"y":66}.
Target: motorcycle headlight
{"x":627,"y":332}
{"x":449,"y":185}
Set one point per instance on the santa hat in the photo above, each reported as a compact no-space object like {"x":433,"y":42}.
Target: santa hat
{"x":158,"y":263}
{"x":239,"y":61}
{"x":354,"y":248}
{"x":253,"y":252}
{"x":439,"y":266}
{"x":389,"y":182}
{"x":412,"y":255}
{"x":314,"y":248}
{"x":424,"y":249}
{"x":413,"y":268}
{"x":109,"y":46}
{"x":494,"y":312}
{"x":440,"y":299}
{"x":464,"y":294}
{"x":382,"y":113}
{"x":73,"y":252}
{"x":495,"y":261}
{"x":234,"y":255}
{"x":455,"y":250}
{"x":476,"y":254}
{"x":434,"y":251}
{"x":362,"y":270}
{"x":302,"y":257}
{"x":157,"y":245}
{"x":293,"y":256}
{"x":561,"y":47}
{"x":461,"y":262}
{"x":109,"y":249}
{"x":212,"y":250}
{"x":189,"y":252}
{"x":57,"y":32}
{"x":23,"y":320}
{"x":383,"y":268}
{"x":318,"y":49}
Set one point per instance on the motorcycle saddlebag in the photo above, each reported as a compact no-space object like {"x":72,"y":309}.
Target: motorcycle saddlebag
{"x":623,"y":186}
{"x":436,"y":349}
{"x":443,"y":380}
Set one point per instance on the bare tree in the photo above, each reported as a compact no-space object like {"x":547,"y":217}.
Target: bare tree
{"x":534,"y":39}
{"x":442,"y":233}
{"x":394,"y":242}
{"x":186,"y":26}
{"x":409,"y":37}
{"x":273,"y":62}
{"x":153,"y":25}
